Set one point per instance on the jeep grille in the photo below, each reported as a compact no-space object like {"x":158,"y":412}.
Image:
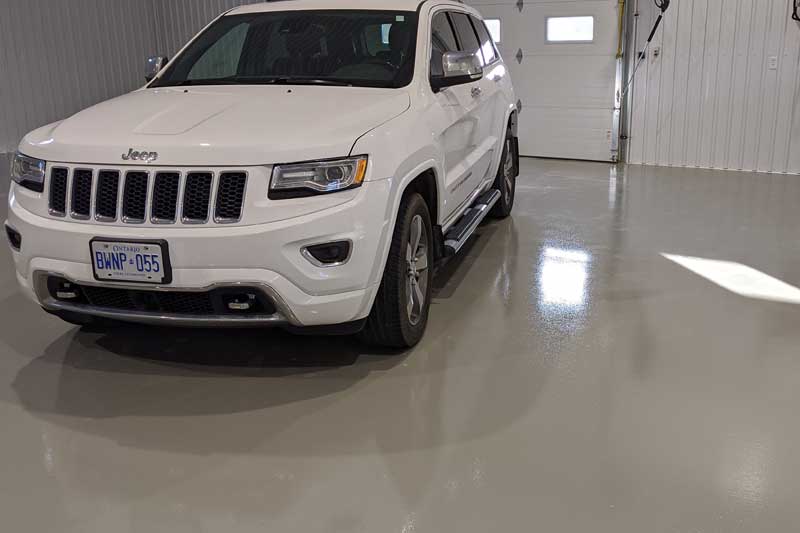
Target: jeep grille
{"x":136,"y":196}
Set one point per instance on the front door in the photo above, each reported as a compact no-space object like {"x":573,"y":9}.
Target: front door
{"x":466,"y":112}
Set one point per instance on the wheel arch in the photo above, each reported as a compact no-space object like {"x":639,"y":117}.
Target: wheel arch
{"x":426,"y":184}
{"x":513,"y":121}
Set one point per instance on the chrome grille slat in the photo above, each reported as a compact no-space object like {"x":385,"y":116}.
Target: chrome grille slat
{"x":231,"y":188}
{"x":81,"y":200}
{"x":197,"y":197}
{"x":106,"y":197}
{"x":134,"y":197}
{"x":59,"y":179}
{"x":164,"y":203}
{"x":140,"y":196}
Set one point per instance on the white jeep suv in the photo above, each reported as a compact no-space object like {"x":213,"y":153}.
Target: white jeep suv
{"x":300,"y":164}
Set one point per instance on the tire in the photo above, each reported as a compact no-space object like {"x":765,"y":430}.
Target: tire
{"x":399,"y":315}
{"x":506,"y":181}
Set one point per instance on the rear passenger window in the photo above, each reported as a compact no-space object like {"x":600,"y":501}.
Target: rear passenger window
{"x":487,"y":46}
{"x":466,"y":35}
{"x":443,"y":40}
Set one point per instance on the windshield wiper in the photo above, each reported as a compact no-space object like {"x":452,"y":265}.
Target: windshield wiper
{"x":256,"y":80}
{"x":290,"y":80}
{"x":193,"y":83}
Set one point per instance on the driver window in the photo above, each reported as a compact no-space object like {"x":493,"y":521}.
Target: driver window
{"x":443,"y":40}
{"x":466,"y":34}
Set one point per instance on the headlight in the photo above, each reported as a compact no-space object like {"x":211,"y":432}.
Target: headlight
{"x":28,"y":172}
{"x":318,"y":177}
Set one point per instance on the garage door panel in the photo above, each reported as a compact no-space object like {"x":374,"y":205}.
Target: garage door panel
{"x":555,"y":132}
{"x":566,"y":89}
{"x":526,"y":30}
{"x":576,"y":86}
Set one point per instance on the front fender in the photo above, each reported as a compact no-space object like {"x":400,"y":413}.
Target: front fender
{"x":400,"y":166}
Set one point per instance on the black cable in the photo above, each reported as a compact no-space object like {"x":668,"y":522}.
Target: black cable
{"x":663,"y":5}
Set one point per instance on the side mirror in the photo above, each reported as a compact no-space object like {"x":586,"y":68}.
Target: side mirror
{"x":153,"y":66}
{"x":459,"y":68}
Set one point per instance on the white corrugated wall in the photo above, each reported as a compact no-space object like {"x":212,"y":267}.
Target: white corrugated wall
{"x":723,"y":90}
{"x":709,"y":99}
{"x":179,"y":20}
{"x":60,"y":56}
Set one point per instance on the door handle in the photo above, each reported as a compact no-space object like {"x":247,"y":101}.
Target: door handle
{"x":477,"y":92}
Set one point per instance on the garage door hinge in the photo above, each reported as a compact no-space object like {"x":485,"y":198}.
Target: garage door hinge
{"x":520,"y":55}
{"x":520,"y":5}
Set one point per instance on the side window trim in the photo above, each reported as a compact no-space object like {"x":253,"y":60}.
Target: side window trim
{"x":494,"y":44}
{"x":433,"y":15}
{"x":475,"y":20}
{"x":472,"y":27}
{"x":453,"y":28}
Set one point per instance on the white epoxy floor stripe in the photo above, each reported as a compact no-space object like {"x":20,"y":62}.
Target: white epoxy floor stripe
{"x":740,"y":279}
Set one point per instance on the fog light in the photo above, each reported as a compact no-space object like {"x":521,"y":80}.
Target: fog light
{"x":241,"y":303}
{"x":66,"y":291}
{"x":14,"y":238}
{"x":328,"y":254}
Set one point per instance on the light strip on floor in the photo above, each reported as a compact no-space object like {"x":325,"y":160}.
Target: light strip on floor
{"x":740,"y":279}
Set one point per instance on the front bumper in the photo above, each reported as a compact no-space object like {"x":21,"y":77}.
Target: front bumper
{"x":266,"y":256}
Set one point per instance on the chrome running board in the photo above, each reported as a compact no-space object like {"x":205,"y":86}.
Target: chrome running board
{"x":459,"y":234}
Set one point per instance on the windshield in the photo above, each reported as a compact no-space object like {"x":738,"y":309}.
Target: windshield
{"x":349,"y":48}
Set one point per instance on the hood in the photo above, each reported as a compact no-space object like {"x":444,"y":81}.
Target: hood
{"x":220,"y":126}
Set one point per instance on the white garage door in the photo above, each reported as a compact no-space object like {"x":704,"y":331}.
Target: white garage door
{"x":562,"y":59}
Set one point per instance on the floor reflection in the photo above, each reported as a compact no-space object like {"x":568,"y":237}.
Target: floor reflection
{"x":563,"y":278}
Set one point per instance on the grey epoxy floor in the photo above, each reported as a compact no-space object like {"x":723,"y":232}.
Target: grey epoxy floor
{"x":572,"y":379}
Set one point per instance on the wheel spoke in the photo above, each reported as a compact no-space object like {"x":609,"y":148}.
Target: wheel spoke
{"x":416,"y":235}
{"x":419,"y":298}
{"x":418,"y":263}
{"x":508,"y":164}
{"x":422,"y":261}
{"x":410,"y":305}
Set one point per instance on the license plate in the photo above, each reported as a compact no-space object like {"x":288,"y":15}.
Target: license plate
{"x":131,"y":261}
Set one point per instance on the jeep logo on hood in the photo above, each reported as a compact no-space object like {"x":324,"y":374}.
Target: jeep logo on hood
{"x":147,"y":157}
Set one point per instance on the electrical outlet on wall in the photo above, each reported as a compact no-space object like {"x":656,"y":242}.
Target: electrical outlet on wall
{"x":772,"y":62}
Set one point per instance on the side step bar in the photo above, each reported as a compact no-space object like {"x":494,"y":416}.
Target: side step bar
{"x":458,"y":235}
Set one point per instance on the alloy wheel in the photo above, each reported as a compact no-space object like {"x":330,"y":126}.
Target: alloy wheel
{"x":508,"y":172}
{"x":418,"y":270}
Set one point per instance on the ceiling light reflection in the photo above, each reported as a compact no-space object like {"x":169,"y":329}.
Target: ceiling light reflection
{"x":563,"y":278}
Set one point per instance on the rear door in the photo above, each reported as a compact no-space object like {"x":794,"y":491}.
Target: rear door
{"x":492,"y":104}
{"x":483,"y":94}
{"x":564,"y":77}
